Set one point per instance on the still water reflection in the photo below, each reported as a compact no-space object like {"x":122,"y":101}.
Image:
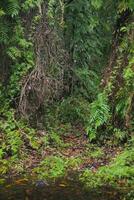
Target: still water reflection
{"x":25,"y":189}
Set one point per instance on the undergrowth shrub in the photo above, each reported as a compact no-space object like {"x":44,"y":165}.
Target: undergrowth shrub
{"x":16,"y":136}
{"x":99,"y":115}
{"x":74,"y":109}
{"x":84,"y":34}
{"x":53,"y":167}
{"x":119,"y":172}
{"x":129,"y":196}
{"x":112,"y":111}
{"x":50,"y":168}
{"x":88,"y":83}
{"x":53,"y":139}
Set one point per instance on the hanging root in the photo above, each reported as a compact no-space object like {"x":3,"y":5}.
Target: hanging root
{"x":46,"y":82}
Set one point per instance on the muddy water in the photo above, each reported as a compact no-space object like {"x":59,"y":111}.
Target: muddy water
{"x":69,"y":189}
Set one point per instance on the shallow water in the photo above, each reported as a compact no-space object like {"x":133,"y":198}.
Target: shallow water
{"x":67,"y":189}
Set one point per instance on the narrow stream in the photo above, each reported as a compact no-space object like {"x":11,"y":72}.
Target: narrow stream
{"x":70,"y":189}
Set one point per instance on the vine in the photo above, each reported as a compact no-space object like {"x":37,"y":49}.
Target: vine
{"x":118,"y":116}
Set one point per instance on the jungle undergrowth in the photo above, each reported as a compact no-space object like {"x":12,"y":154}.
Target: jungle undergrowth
{"x":73,"y":101}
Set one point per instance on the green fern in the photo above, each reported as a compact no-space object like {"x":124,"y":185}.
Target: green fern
{"x":96,"y":3}
{"x":89,"y":82}
{"x":13,"y":8}
{"x":2,"y":12}
{"x":124,"y":5}
{"x":9,"y":9}
{"x":99,"y":115}
{"x":3,"y":32}
{"x":30,"y":4}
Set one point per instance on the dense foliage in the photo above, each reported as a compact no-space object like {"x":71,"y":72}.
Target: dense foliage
{"x":66,"y":64}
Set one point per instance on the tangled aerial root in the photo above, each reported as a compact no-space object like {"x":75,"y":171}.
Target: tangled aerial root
{"x":46,"y":82}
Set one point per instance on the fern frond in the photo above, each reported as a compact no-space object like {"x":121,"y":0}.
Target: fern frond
{"x":99,"y":115}
{"x":3,"y":32}
{"x":14,"y":53}
{"x":13,"y":8}
{"x":2,"y":12}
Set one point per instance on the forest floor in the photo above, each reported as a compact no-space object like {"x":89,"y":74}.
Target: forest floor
{"x":60,"y":156}
{"x":73,"y":148}
{"x":91,"y":156}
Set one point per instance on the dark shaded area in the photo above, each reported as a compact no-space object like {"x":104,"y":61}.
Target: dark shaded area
{"x":70,"y":189}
